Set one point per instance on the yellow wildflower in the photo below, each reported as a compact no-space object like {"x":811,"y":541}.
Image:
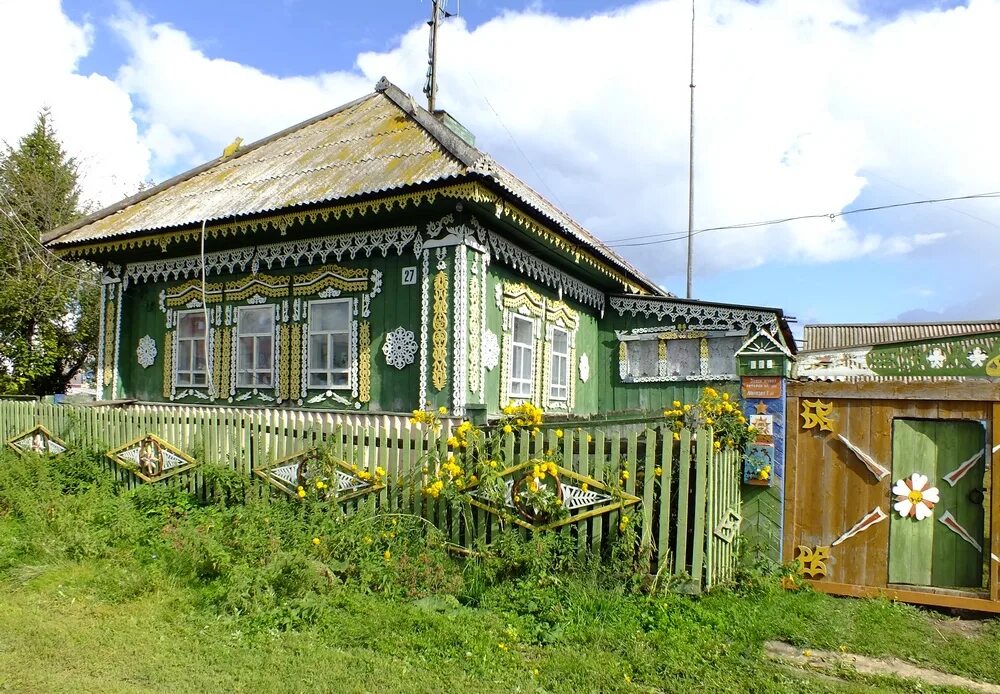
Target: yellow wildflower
{"x":677,"y":403}
{"x":302,"y":493}
{"x":442,"y":410}
{"x":658,"y":471}
{"x":316,"y":541}
{"x":624,"y":474}
{"x":502,"y":646}
{"x":507,"y":428}
{"x":725,"y":396}
{"x":584,"y":486}
{"x":677,"y":437}
{"x":387,"y":554}
{"x":452,"y":442}
{"x":559,"y":433}
{"x":687,"y":408}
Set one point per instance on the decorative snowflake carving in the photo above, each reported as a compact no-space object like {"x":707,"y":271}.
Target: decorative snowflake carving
{"x":146,"y":351}
{"x":491,"y":350}
{"x":936,"y":358}
{"x":584,"y":367}
{"x":400,"y":347}
{"x":977,"y":357}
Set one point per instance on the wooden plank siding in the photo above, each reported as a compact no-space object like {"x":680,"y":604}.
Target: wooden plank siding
{"x":828,"y":489}
{"x":679,"y":510}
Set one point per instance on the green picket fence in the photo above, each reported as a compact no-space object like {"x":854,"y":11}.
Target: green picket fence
{"x":688,"y":496}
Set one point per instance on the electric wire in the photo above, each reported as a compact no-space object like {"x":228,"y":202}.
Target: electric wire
{"x":667,"y":237}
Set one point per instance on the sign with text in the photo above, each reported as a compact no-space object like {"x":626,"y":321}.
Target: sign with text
{"x":766,"y":387}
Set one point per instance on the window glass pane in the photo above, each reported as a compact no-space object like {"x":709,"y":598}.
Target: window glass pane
{"x":317,"y":379}
{"x":191,"y":325}
{"x":515,"y":362}
{"x":264,"y":353}
{"x":256,"y":320}
{"x":560,"y":342}
{"x":526,"y":364}
{"x":339,"y":351}
{"x":198,"y":379}
{"x":338,"y":379}
{"x":245,"y":361}
{"x":183,"y":378}
{"x":522,"y":330}
{"x":199,"y":354}
{"x":244,"y":379}
{"x":327,"y":317}
{"x":183,"y":355}
{"x":264,"y":379}
{"x":318,"y":352}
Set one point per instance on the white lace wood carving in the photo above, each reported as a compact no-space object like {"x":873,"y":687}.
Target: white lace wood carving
{"x":400,"y":347}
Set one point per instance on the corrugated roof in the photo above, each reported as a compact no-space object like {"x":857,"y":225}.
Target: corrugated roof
{"x":844,"y":336}
{"x":379,"y":143}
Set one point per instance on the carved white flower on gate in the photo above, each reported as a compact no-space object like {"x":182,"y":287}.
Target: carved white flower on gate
{"x":400,"y":347}
{"x":491,"y":350}
{"x":146,"y":351}
{"x":914,"y":499}
{"x":936,"y":358}
{"x":977,"y":357}
{"x":584,"y":367}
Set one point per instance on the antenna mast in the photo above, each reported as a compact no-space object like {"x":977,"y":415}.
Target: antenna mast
{"x":690,"y":248}
{"x":438,"y":13}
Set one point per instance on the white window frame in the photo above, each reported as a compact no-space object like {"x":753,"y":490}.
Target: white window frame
{"x":527,"y":348}
{"x":241,"y":368}
{"x":565,"y":356}
{"x":205,"y":338}
{"x":349,"y":369}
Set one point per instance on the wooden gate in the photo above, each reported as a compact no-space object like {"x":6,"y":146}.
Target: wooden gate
{"x":945,"y":549}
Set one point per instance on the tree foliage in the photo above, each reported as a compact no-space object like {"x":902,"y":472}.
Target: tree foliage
{"x":48,"y":308}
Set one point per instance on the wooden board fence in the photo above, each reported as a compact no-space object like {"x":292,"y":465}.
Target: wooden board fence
{"x":687,"y":497}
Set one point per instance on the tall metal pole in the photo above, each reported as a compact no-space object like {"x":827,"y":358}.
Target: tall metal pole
{"x":430,"y":88}
{"x":690,"y":239}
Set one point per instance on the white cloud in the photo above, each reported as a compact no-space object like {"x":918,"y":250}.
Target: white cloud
{"x":41,"y":49}
{"x":802,"y":108}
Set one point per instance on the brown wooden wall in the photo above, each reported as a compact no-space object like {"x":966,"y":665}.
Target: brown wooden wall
{"x":828,"y":490}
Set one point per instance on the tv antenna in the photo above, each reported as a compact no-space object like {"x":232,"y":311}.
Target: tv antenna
{"x":690,"y":236}
{"x":438,"y":14}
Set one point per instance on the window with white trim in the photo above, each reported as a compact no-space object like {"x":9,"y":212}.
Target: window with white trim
{"x":191,"y":366}
{"x":330,"y":344}
{"x":522,"y":355}
{"x":255,"y":356}
{"x":559,"y":365}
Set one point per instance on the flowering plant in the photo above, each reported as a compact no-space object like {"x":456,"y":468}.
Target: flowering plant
{"x":317,"y":476}
{"x":757,"y":467}
{"x":713,"y":409}
{"x":474,"y":458}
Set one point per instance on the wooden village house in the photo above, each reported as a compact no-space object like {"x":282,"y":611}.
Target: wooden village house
{"x":371,"y":259}
{"x":891,"y":483}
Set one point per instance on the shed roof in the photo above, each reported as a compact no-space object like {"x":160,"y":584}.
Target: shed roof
{"x":379,"y":143}
{"x":848,"y":335}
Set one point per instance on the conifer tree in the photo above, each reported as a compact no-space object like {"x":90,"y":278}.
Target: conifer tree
{"x":48,"y":321}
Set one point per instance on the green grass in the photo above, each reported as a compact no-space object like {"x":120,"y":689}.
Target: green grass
{"x":102,"y":590}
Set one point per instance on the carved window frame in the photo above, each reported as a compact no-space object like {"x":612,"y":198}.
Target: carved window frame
{"x":351,"y":332}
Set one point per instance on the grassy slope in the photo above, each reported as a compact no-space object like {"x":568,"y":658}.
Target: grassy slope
{"x":96,"y":626}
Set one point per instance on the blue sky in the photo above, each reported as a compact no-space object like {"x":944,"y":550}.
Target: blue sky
{"x":803,"y":108}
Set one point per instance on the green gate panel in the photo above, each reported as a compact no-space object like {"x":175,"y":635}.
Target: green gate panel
{"x":926,"y":553}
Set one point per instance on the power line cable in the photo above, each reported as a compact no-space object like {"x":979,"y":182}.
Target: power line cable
{"x":667,"y":237}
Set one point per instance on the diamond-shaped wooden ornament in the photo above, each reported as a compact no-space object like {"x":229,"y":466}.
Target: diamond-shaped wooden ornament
{"x":596,"y":500}
{"x":37,"y":440}
{"x":152,"y":459}
{"x":292,"y":472}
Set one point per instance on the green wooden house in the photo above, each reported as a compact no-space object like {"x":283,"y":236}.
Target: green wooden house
{"x":372,"y":259}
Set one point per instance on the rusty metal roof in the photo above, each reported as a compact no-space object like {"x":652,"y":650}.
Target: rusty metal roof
{"x":380,"y":143}
{"x":844,"y":336}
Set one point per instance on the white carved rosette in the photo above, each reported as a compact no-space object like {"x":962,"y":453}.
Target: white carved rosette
{"x":400,"y":347}
{"x":146,"y":351}
{"x":491,"y":350}
{"x":914,"y":498}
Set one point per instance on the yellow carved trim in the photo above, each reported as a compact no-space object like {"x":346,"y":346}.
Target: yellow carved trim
{"x":439,"y":371}
{"x":681,"y":334}
{"x":331,"y":276}
{"x":556,"y":311}
{"x":168,"y":363}
{"x":365,"y":362}
{"x":295,"y":359}
{"x":220,"y":361}
{"x":284,"y":354}
{"x":265,"y":285}
{"x":623,"y":351}
{"x":518,"y":296}
{"x":109,"y":343}
{"x":191,"y":290}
